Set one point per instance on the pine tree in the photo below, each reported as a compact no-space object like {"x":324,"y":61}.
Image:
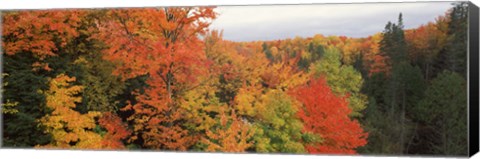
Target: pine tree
{"x":405,"y":86}
{"x":454,"y":56}
{"x":444,"y":109}
{"x":23,"y":87}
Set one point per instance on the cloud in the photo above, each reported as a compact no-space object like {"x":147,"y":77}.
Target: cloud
{"x":270,"y":22}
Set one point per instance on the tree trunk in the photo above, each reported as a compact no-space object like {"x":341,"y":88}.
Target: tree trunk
{"x":427,"y":67}
{"x":402,"y":121}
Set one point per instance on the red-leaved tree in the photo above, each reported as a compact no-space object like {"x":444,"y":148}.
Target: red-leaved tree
{"x":326,"y":115}
{"x":116,"y":131}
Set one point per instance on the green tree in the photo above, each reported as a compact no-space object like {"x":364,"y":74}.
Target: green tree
{"x":279,"y":129}
{"x":83,"y":58}
{"x":404,"y":86}
{"x":8,"y":107}
{"x":23,"y":87}
{"x":405,"y":89}
{"x":444,"y":108}
{"x":454,"y":56}
{"x":376,"y":122}
{"x":343,"y":79}
{"x":393,"y":43}
{"x":393,"y":46}
{"x":314,"y":53}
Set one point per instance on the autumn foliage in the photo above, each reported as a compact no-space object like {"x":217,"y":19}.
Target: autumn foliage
{"x":326,"y":114}
{"x":160,"y":79}
{"x":166,"y":48}
{"x":40,"y":35}
{"x":116,"y":131}
{"x":68,"y":127}
{"x":231,"y":135}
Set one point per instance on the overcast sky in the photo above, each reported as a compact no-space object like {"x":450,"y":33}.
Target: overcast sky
{"x":270,"y":22}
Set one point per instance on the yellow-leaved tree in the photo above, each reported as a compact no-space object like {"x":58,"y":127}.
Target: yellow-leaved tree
{"x":69,"y":128}
{"x":230,"y":135}
{"x":8,"y":107}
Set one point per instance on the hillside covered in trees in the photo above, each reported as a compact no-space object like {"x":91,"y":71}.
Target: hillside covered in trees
{"x":159,"y":79}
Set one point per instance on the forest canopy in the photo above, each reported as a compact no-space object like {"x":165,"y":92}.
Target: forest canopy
{"x":160,"y":79}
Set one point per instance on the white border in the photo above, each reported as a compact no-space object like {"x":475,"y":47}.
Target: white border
{"x":51,"y":4}
{"x":75,"y":154}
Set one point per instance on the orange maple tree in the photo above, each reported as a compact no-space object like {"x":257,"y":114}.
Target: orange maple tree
{"x":425,"y":43}
{"x":116,"y":131}
{"x":326,"y":114}
{"x":162,"y":43}
{"x":39,"y":32}
{"x":374,"y":62}
{"x":36,"y":31}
